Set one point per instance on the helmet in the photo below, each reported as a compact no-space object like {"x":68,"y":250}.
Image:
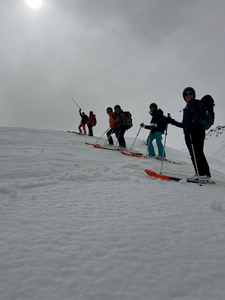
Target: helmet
{"x":152,"y":105}
{"x":109,"y":109}
{"x":189,"y":89}
{"x":91,"y":112}
{"x":117,"y":107}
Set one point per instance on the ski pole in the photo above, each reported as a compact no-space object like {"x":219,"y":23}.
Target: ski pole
{"x":109,"y":135}
{"x":102,"y":135}
{"x":168,"y":116}
{"x":76,"y":103}
{"x":135,"y":139}
{"x":148,"y":142}
{"x":196,"y":166}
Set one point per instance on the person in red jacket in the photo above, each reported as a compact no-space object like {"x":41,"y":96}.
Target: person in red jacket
{"x":109,"y":133}
{"x":91,"y":122}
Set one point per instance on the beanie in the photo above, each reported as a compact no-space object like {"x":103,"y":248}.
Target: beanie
{"x":190,"y":89}
{"x":117,"y":107}
{"x":153,"y":105}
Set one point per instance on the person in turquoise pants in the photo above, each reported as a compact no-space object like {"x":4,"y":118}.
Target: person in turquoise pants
{"x":157,"y":127}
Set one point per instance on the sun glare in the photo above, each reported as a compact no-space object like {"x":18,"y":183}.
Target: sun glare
{"x":34,"y":3}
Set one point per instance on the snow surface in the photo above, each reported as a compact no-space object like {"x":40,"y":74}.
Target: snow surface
{"x":83,"y":223}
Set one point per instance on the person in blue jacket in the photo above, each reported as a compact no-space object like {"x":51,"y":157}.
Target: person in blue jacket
{"x":156,"y":128}
{"x":194,"y":133}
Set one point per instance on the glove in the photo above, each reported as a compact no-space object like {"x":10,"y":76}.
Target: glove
{"x":153,"y":125}
{"x":80,"y":110}
{"x":171,"y":121}
{"x":168,"y":120}
{"x":142,"y":125}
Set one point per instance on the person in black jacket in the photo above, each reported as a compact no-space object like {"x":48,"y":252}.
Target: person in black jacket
{"x":156,"y":128}
{"x":83,"y":121}
{"x":194,"y":133}
{"x":120,"y":126}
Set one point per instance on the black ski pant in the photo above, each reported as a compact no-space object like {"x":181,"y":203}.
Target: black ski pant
{"x":198,"y":137}
{"x":90,"y":131}
{"x":120,"y":136}
{"x":109,"y":135}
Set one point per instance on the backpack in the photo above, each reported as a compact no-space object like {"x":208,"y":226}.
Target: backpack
{"x":129,"y":119}
{"x":208,"y":115}
{"x":94,"y":120}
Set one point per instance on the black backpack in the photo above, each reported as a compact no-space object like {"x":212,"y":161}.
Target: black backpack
{"x":208,"y":115}
{"x":129,"y":119}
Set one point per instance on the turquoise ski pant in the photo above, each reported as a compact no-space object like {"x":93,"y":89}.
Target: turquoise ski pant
{"x":158,"y":137}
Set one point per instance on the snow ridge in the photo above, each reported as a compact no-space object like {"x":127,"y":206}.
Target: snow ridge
{"x":215,"y":143}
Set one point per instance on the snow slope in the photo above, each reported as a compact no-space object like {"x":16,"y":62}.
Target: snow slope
{"x":83,"y":223}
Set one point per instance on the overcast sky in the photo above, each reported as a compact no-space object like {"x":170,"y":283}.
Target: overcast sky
{"x":108,"y":52}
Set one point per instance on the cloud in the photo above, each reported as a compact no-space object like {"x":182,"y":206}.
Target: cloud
{"x":104,"y":53}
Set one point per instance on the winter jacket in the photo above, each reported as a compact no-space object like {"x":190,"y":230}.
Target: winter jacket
{"x":192,"y":117}
{"x":83,"y":118}
{"x":92,"y":120}
{"x":111,"y":120}
{"x":120,"y":119}
{"x":157,"y":119}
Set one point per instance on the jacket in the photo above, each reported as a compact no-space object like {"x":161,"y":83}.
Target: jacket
{"x":157,"y":119}
{"x":120,"y":120}
{"x":111,"y":120}
{"x":92,"y":120}
{"x":192,"y":117}
{"x":83,"y":118}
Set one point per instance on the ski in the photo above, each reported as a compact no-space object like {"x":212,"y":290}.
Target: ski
{"x":91,"y":144}
{"x":101,"y":147}
{"x":113,"y":149}
{"x":76,"y":132}
{"x":135,"y":154}
{"x":171,"y":178}
{"x":168,"y":160}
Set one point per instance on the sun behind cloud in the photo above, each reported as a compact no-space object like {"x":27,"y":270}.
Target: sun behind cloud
{"x":34,"y":3}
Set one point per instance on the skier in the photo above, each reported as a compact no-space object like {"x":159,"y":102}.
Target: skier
{"x":194,"y":133}
{"x":156,"y":128}
{"x":120,"y":126}
{"x":109,"y":111}
{"x":82,"y":122}
{"x":91,"y":121}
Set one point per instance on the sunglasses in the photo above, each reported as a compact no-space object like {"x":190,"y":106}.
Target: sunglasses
{"x":190,"y":93}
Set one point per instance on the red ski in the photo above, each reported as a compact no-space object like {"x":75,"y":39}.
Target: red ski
{"x":160,"y":176}
{"x":171,"y":178}
{"x":131,"y":154}
{"x":91,"y":144}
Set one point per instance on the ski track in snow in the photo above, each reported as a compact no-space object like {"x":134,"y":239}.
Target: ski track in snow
{"x":83,"y":223}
